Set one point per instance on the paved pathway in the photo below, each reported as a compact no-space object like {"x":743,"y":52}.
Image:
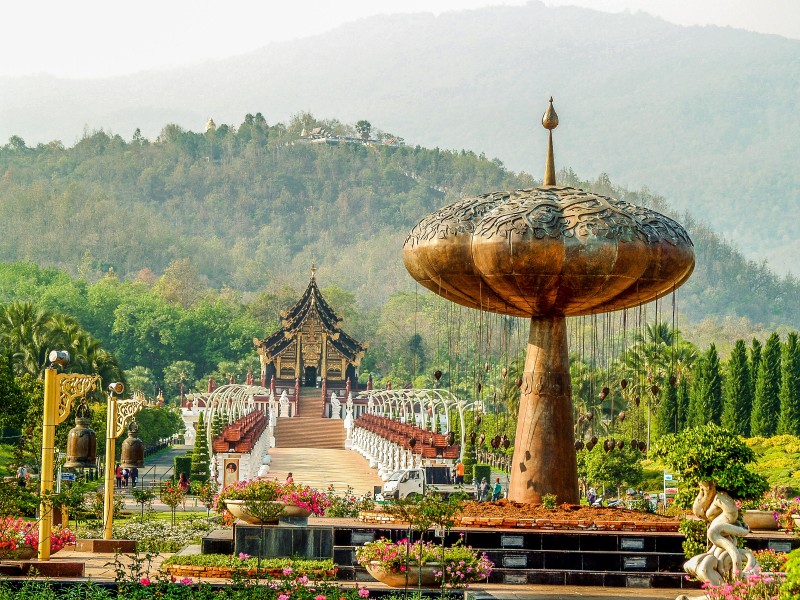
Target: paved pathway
{"x":321,"y":467}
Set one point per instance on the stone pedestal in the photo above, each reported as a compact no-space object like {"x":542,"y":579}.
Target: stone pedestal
{"x":274,"y":541}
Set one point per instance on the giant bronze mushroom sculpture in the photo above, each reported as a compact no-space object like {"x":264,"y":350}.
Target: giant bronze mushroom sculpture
{"x":547,"y":253}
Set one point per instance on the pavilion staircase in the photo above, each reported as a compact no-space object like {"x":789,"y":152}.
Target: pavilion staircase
{"x":310,"y":429}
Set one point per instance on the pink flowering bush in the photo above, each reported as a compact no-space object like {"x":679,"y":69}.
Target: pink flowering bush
{"x":770,"y":560}
{"x":18,"y":533}
{"x":757,"y":586}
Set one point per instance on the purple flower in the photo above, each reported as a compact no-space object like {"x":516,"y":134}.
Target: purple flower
{"x":288,"y":570}
{"x":186,"y":581}
{"x":303,"y":580}
{"x":243,"y":556}
{"x":363,"y":592}
{"x":144,"y":581}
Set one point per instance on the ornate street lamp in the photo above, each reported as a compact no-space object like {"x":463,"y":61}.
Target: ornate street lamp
{"x":60,"y":389}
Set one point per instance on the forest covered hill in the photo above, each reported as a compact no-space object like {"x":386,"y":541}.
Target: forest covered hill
{"x":251,"y":208}
{"x":706,"y":116}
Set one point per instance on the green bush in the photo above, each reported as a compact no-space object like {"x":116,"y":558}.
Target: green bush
{"x":481,"y":471}
{"x":790,"y":589}
{"x":300,"y":566}
{"x":695,"y":534}
{"x":183,"y":464}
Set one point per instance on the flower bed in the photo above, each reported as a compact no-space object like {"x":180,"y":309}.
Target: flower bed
{"x":154,"y":535}
{"x":225,"y":566}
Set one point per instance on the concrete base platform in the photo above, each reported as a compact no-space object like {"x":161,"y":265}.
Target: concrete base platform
{"x":45,"y":568}
{"x":106,"y":546}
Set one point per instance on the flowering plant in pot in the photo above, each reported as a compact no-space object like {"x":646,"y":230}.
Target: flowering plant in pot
{"x":264,"y":501}
{"x":20,"y":538}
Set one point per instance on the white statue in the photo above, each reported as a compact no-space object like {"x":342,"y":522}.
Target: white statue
{"x":284,"y":404}
{"x":336,"y":407}
{"x":723,"y":561}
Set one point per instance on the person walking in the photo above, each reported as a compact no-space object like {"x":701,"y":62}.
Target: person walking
{"x":497,"y":491}
{"x":118,"y":475}
{"x":483,"y":490}
{"x":134,"y":476}
{"x":289,"y":479}
{"x":126,"y":473}
{"x":183,"y":483}
{"x":460,"y":473}
{"x":22,"y":476}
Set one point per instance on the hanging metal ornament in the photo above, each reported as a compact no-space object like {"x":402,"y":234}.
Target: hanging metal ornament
{"x":637,"y":400}
{"x":505,"y":441}
{"x":451,"y":438}
{"x":594,"y":440}
{"x":472,"y":437}
{"x":496,"y":442}
{"x":621,"y":416}
{"x":518,"y":382}
{"x":412,"y":442}
{"x":642,"y":446}
{"x":673,"y":380}
{"x":634,"y":444}
{"x":590,"y":445}
{"x":623,"y":384}
{"x":504,"y":372}
{"x":437,"y":374}
{"x":81,"y":441}
{"x":480,"y":387}
{"x":655,"y":390}
{"x":481,"y":439}
{"x":604,"y":393}
{"x":607,"y":445}
{"x":579,"y":445}
{"x":620,"y":444}
{"x":486,"y":367}
{"x":478,"y":419}
{"x":132,"y":452}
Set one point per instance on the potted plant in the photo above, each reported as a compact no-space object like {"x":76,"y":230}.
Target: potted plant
{"x":264,"y":501}
{"x":394,"y":563}
{"x":713,"y":463}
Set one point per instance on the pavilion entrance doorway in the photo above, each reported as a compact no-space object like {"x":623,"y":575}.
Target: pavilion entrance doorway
{"x":310,"y":379}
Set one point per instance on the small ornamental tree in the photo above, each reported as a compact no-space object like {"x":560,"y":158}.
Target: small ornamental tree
{"x":469,"y":459}
{"x":200,"y":458}
{"x":711,"y":454}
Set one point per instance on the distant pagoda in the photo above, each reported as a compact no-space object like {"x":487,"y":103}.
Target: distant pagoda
{"x":310,"y":344}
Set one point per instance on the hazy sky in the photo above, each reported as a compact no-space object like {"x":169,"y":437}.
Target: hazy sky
{"x":92,"y":38}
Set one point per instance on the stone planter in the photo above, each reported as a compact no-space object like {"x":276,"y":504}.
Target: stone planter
{"x":398,"y":578}
{"x":759,"y":519}
{"x":237,"y":509}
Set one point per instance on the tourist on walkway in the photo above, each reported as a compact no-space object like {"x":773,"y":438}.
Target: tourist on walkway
{"x":497,"y":492}
{"x":134,"y":476}
{"x":118,"y":475}
{"x":183,"y":483}
{"x":289,"y":479}
{"x":460,"y":473}
{"x":22,"y":476}
{"x":126,"y":473}
{"x":483,"y":490}
{"x":591,"y":497}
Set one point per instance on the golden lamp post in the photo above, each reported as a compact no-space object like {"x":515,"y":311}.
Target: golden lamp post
{"x":119,"y":414}
{"x":60,"y":389}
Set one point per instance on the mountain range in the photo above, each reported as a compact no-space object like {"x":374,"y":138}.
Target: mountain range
{"x":706,"y":116}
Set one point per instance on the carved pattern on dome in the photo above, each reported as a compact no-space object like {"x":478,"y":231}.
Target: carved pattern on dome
{"x":554,"y":212}
{"x":455,"y":218}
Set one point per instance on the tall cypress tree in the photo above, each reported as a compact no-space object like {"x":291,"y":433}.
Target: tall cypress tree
{"x":766,"y":403}
{"x":200,"y":459}
{"x":667,"y":414}
{"x":705,"y":401}
{"x":789,"y":420}
{"x":738,"y":401}
{"x":684,"y":395}
{"x":755,"y":359}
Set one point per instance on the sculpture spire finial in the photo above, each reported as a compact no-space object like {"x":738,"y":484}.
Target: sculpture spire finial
{"x":313,"y":270}
{"x":550,"y":122}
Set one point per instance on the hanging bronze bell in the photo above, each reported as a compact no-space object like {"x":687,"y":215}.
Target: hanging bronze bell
{"x":437,"y":374}
{"x":589,"y":446}
{"x":477,"y":419}
{"x":655,"y":390}
{"x":621,"y":416}
{"x":480,"y":387}
{"x":81,"y":442}
{"x":642,"y":446}
{"x":634,"y":444}
{"x":472,"y":437}
{"x":412,"y":442}
{"x":132,"y":454}
{"x":451,"y":438}
{"x":506,"y":442}
{"x":673,"y":381}
{"x":636,"y":400}
{"x":519,"y":382}
{"x":604,"y":393}
{"x":504,"y":372}
{"x":496,"y":442}
{"x":579,"y":445}
{"x":481,"y":439}
{"x":594,"y":440}
{"x":623,"y":384}
{"x":620,"y":444}
{"x":486,"y":367}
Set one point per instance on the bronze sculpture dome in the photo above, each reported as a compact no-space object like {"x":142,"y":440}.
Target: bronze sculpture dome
{"x":547,"y":253}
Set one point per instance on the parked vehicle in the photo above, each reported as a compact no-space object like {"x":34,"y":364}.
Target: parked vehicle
{"x":419,"y":481}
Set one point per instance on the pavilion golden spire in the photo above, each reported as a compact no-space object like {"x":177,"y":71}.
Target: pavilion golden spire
{"x":313,"y":270}
{"x":550,"y":121}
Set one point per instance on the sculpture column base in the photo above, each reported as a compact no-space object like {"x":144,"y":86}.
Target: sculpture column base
{"x":544,"y":447}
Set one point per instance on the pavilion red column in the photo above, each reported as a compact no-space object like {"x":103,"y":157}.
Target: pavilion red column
{"x":544,"y":447}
